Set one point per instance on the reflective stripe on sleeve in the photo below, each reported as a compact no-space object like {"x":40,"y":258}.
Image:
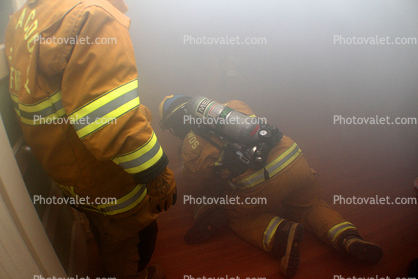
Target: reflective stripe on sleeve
{"x":270,"y":231}
{"x":274,"y":167}
{"x":105,"y":109}
{"x":42,"y":112}
{"x":142,"y":158}
{"x":123,"y":204}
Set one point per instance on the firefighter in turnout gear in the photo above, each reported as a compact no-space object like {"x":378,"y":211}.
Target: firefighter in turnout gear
{"x":212,"y":166}
{"x":73,"y":83}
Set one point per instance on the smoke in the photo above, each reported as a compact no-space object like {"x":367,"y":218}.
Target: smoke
{"x":306,"y":62}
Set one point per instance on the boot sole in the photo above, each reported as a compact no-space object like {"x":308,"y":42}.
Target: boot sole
{"x":365,"y":251}
{"x":290,"y":262}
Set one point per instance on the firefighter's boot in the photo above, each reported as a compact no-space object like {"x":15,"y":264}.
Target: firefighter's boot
{"x":352,"y":244}
{"x":286,"y":246}
{"x":206,"y":225}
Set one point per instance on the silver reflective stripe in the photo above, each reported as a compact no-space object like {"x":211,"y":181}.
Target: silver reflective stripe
{"x":127,"y":203}
{"x":143,"y":159}
{"x":105,"y":109}
{"x":31,"y":115}
{"x":271,"y":168}
{"x":270,"y":231}
{"x":121,"y":205}
{"x":336,"y":230}
{"x":43,"y":109}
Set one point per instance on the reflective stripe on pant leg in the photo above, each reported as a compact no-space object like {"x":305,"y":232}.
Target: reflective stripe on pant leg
{"x":270,"y":231}
{"x":336,"y":231}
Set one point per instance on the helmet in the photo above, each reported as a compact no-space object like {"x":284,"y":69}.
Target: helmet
{"x":172,"y":109}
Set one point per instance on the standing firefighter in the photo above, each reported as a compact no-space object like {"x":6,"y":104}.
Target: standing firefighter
{"x":73,"y":82}
{"x":225,"y":152}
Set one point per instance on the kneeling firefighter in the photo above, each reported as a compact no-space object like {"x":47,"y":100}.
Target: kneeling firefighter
{"x":226,"y":150}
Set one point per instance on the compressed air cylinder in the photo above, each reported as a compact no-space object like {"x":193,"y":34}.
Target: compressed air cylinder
{"x":223,"y":120}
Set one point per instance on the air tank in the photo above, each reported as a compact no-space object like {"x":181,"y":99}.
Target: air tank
{"x":223,"y":120}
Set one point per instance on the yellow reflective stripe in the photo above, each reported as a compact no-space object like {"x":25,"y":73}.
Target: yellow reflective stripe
{"x":274,"y":167}
{"x":106,"y":119}
{"x":42,"y":112}
{"x":142,"y":158}
{"x":222,"y":154}
{"x":129,"y":207}
{"x":148,"y":164}
{"x":55,"y":97}
{"x":121,"y":205}
{"x":40,"y":105}
{"x":44,"y":120}
{"x":221,"y":157}
{"x":105,"y":109}
{"x":270,"y":231}
{"x":138,"y":152}
{"x":336,"y":230}
{"x":14,"y":98}
{"x":117,"y":209}
{"x":104,"y":99}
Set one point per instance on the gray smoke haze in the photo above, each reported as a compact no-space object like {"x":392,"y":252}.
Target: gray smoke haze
{"x":301,"y":77}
